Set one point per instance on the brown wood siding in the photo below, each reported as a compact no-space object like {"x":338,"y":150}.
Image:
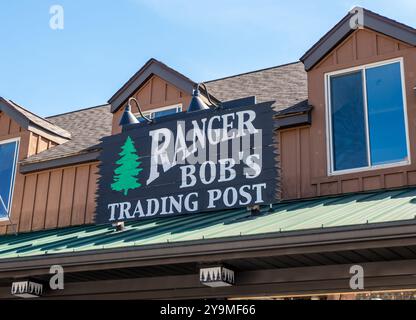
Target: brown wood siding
{"x":304,"y":150}
{"x":48,"y":199}
{"x":155,"y":93}
{"x":56,"y":198}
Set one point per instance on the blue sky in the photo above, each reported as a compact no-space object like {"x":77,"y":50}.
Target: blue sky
{"x":104,"y":42}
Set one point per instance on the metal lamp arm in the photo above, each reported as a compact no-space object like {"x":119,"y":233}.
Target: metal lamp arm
{"x":140,"y":109}
{"x":201,"y":84}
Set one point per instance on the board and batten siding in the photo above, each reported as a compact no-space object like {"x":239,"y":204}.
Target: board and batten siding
{"x":304,"y":150}
{"x":57,"y":198}
{"x":155,"y":93}
{"x":48,"y":199}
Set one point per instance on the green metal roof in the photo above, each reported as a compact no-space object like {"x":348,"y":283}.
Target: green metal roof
{"x":348,"y":210}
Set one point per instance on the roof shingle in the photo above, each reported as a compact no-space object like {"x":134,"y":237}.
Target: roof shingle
{"x":87,"y":127}
{"x":286,"y":84}
{"x":36,"y":120}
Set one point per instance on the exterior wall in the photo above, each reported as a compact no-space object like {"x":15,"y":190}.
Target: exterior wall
{"x":55,"y":198}
{"x":9,"y":129}
{"x":156,"y":93}
{"x":47,"y":199}
{"x":304,"y":150}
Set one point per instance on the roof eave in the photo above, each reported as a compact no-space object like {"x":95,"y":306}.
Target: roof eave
{"x":343,"y":29}
{"x":292,"y":242}
{"x":7,"y":107}
{"x":48,"y":164}
{"x":151,"y":67}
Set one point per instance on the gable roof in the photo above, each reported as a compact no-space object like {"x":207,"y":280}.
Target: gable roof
{"x":357,"y":18}
{"x":87,"y":127}
{"x":32,"y":122}
{"x":151,"y":67}
{"x":286,"y":84}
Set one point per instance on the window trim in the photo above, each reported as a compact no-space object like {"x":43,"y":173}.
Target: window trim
{"x":152,"y":111}
{"x":13,"y":182}
{"x":330,"y":156}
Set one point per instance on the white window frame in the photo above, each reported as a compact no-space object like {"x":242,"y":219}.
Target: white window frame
{"x":15,"y":161}
{"x":330,"y":155}
{"x":150,"y":113}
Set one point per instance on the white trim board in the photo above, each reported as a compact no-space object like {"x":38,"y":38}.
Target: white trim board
{"x":330,"y":164}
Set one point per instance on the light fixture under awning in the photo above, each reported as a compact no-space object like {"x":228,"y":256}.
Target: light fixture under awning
{"x":216,"y":277}
{"x":27,"y":289}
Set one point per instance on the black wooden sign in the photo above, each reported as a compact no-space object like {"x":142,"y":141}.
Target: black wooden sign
{"x":188,"y":163}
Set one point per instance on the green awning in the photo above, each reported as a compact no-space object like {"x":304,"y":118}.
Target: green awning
{"x":322,"y":213}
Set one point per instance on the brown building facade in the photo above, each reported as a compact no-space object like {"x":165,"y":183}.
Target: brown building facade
{"x":333,"y":210}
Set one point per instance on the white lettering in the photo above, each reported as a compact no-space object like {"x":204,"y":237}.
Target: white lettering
{"x":224,"y":169}
{"x":188,"y":172}
{"x":213,"y":196}
{"x":159,"y":152}
{"x":212,"y":172}
{"x":113,"y":206}
{"x":191,"y":206}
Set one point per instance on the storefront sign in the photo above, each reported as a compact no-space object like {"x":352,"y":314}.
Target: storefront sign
{"x":189,"y":163}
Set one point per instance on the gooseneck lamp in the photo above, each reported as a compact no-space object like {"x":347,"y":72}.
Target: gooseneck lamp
{"x":129,"y":118}
{"x":197,"y":104}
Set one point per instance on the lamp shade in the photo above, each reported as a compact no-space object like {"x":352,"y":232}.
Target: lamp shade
{"x":196,"y":103}
{"x":128,"y":117}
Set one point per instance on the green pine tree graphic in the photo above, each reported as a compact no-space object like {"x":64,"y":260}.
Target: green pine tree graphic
{"x":125,"y":176}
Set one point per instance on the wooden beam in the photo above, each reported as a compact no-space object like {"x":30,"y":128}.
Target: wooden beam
{"x":291,"y":281}
{"x":207,"y":251}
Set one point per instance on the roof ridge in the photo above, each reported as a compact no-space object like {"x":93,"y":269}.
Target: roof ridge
{"x":77,"y":110}
{"x":391,"y":20}
{"x":117,"y":98}
{"x":34,"y":114}
{"x":254,"y":71}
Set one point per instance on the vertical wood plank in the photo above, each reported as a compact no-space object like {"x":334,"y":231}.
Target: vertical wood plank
{"x":33,"y":144}
{"x":91,"y":198}
{"x":14,"y":127}
{"x":151,"y":89}
{"x":305,"y":155}
{"x":298,"y":163}
{"x":54,"y":198}
{"x":80,"y":195}
{"x":3,"y":230}
{"x":42,"y":145}
{"x":67,"y":195}
{"x":39,"y":212}
{"x":289,"y":165}
{"x":29,"y":194}
{"x":4,"y":124}
{"x":16,"y":202}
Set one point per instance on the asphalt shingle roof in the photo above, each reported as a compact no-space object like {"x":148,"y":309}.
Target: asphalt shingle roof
{"x":86,"y":126}
{"x":39,"y":121}
{"x":286,"y":84}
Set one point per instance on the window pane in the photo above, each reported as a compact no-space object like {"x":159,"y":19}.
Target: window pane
{"x":348,"y":122}
{"x":164,"y":113}
{"x":158,"y":114}
{"x":7,"y":171}
{"x":386,"y":114}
